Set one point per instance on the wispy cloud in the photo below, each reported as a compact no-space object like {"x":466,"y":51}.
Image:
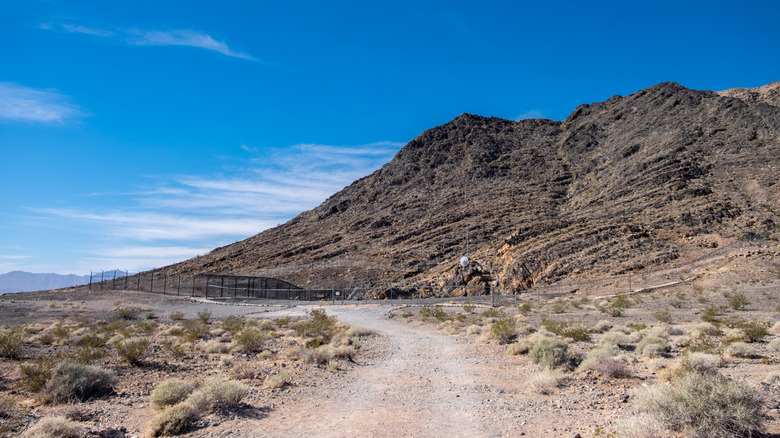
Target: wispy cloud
{"x":187,"y":215}
{"x":21,"y":103}
{"x":87,"y":30}
{"x":146,"y":37}
{"x":185,"y":37}
{"x":533,"y":114}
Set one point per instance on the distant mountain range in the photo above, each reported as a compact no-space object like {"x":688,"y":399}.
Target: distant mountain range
{"x":19,"y":281}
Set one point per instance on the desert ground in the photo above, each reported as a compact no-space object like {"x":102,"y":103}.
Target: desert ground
{"x":454,"y":369}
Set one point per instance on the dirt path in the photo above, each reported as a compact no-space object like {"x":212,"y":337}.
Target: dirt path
{"x":423,"y":385}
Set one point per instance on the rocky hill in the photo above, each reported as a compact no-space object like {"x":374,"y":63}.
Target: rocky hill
{"x":624,"y":185}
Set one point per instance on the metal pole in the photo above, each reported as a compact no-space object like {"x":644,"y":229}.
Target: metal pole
{"x":127,"y":273}
{"x":101,"y":279}
{"x":192,"y":291}
{"x":151,"y":283}
{"x":165,"y":284}
{"x":178,"y":288}
{"x":90,"y":279}
{"x":113,"y":282}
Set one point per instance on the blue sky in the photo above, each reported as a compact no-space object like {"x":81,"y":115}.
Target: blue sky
{"x":135,"y":134}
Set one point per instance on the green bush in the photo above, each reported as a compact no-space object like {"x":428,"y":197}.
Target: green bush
{"x":550,"y":352}
{"x":277,"y":381}
{"x":663,"y":316}
{"x":706,"y":405}
{"x":204,"y":316}
{"x":233,"y":324}
{"x":567,"y":329}
{"x":250,"y":340}
{"x":194,"y":329}
{"x":754,"y":331}
{"x":78,"y":382}
{"x":503,"y":330}
{"x":524,"y":308}
{"x":738,"y":301}
{"x":617,"y":306}
{"x":170,"y":392}
{"x":319,"y":327}
{"x":34,"y":374}
{"x":133,"y":350}
{"x":176,"y":316}
{"x":11,"y":341}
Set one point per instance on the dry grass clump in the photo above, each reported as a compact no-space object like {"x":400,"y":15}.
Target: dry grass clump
{"x":215,"y":346}
{"x":546,"y":381}
{"x":214,"y":395}
{"x":78,"y":382}
{"x":652,"y":346}
{"x":604,"y":352}
{"x":174,"y":420}
{"x":612,"y":368}
{"x":741,"y":350}
{"x":170,"y":392}
{"x":323,"y":354}
{"x":704,"y":405}
{"x":12,"y":414}
{"x":773,"y":345}
{"x":601,"y":326}
{"x":277,"y":381}
{"x":55,"y":427}
{"x":621,"y":338}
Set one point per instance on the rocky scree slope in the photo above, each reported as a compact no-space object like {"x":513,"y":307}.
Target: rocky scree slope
{"x":619,"y":186}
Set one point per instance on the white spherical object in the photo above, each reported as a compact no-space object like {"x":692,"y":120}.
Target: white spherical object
{"x":464,"y":261}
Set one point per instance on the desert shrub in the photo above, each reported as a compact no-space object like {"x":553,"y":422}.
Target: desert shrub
{"x":87,"y":354}
{"x":125,"y":313}
{"x":11,"y":341}
{"x":705,"y":405}
{"x":620,"y":338}
{"x":215,"y":347}
{"x":170,"y":392}
{"x":702,"y":363}
{"x":773,"y":345}
{"x":601,"y":326}
{"x":559,"y":307}
{"x":149,"y":315}
{"x":34,"y":374}
{"x":194,"y":329}
{"x":219,"y":395}
{"x":524,"y":308}
{"x":474,"y":329}
{"x":741,"y":350}
{"x":174,"y":420}
{"x":319,"y":327}
{"x":282,"y":322}
{"x":433,"y":312}
{"x":176,"y":316}
{"x":356,"y":331}
{"x":326,"y":353}
{"x":652,"y":346}
{"x":468,"y":308}
{"x":663,"y":316}
{"x":617,"y":307}
{"x":204,"y":316}
{"x":503,"y":330}
{"x":754,"y":331}
{"x":78,"y":382}
{"x":250,"y":340}
{"x":550,"y":352}
{"x":12,"y":414}
{"x":612,"y":368}
{"x":146,"y":327}
{"x":54,"y":427}
{"x":567,"y":329}
{"x":276,"y":381}
{"x":599,"y":354}
{"x":177,"y":349}
{"x":133,"y":350}
{"x":738,"y":301}
{"x":233,"y":324}
{"x":545,"y":382}
{"x":492,"y":312}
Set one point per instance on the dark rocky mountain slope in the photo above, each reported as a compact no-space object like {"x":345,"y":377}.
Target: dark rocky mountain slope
{"x":624,"y":185}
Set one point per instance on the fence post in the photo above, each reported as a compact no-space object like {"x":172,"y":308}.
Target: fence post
{"x":208,"y":278}
{"x":90,"y":279}
{"x":113,"y":282}
{"x":178,"y":288}
{"x":126,"y":274}
{"x":165,"y":283}
{"x":192,"y":291}
{"x":151,"y":284}
{"x":101,"y":279}
{"x":138,"y":282}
